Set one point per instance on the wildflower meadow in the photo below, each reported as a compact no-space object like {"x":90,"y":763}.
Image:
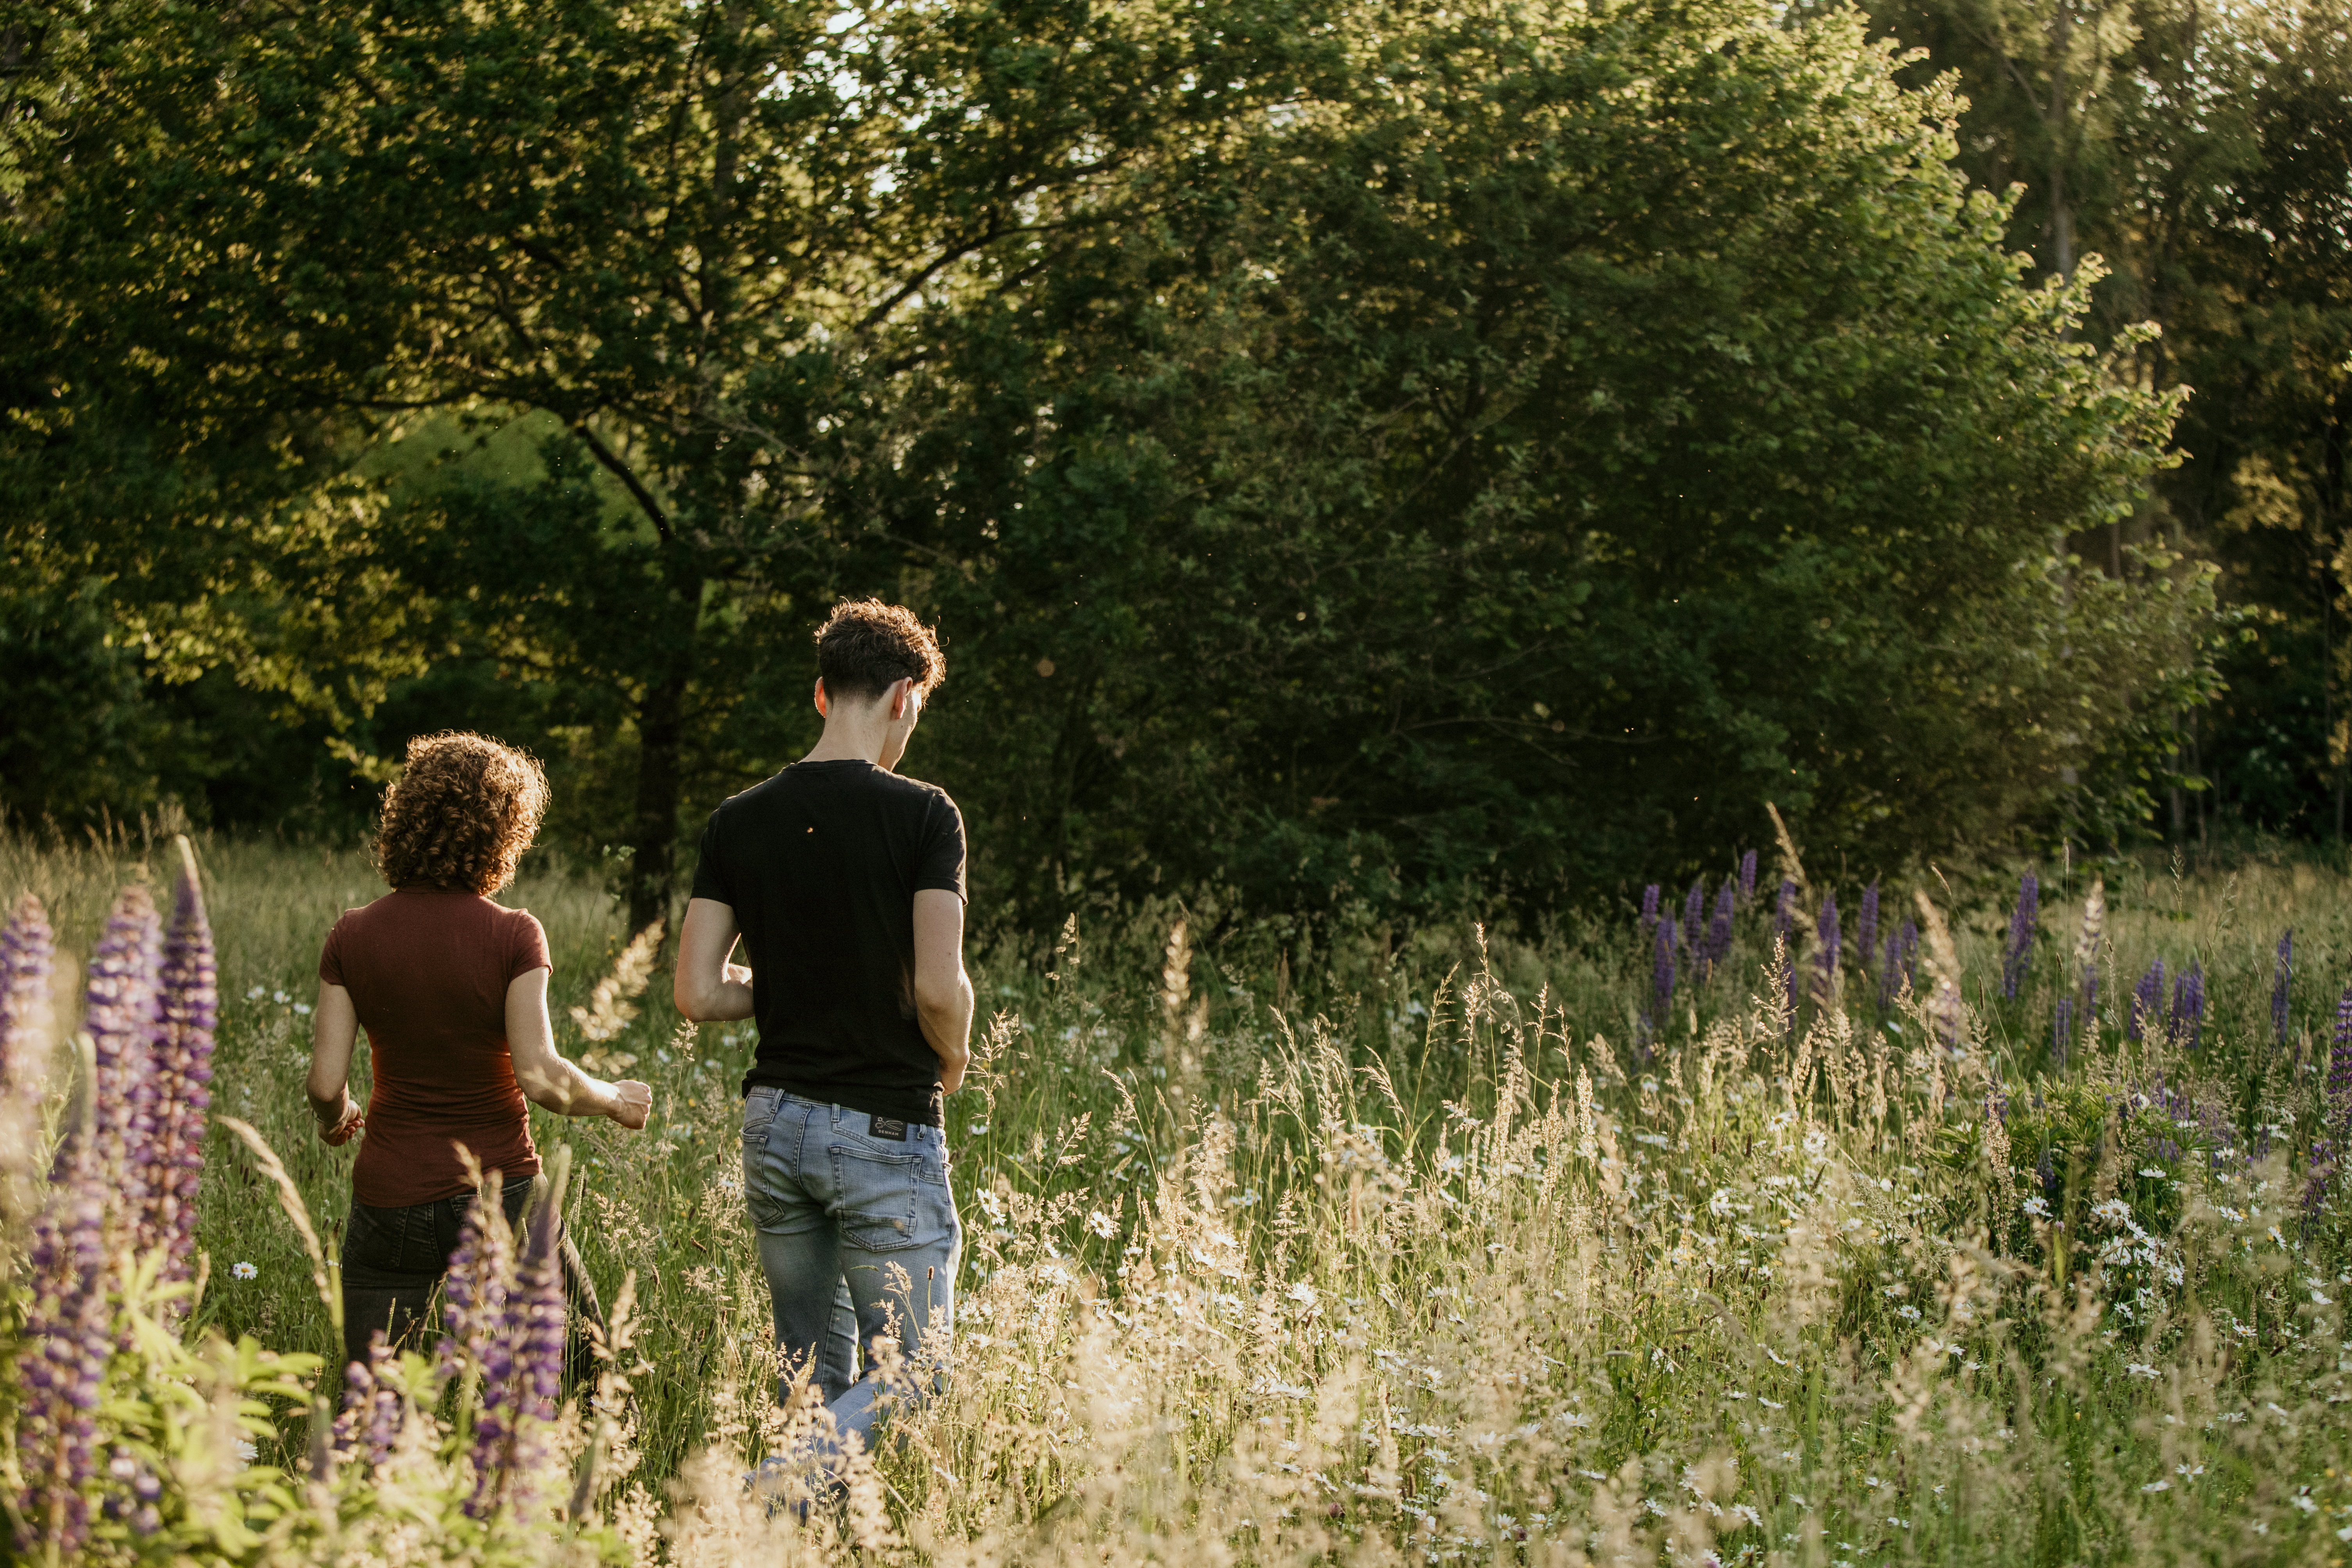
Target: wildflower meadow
{"x":1781,"y":1218}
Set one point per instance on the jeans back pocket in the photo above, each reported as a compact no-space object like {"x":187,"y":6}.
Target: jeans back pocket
{"x":760,"y":1107}
{"x":874,"y":1203}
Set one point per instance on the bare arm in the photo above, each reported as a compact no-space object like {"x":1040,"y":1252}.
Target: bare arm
{"x":942,"y":989}
{"x":335,"y":1034}
{"x":708,"y":989}
{"x":549,"y":1080}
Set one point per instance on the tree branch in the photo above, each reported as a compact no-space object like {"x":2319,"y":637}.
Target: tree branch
{"x":628,"y":475}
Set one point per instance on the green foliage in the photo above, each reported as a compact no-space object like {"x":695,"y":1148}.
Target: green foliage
{"x":189,"y":1414}
{"x":1588,"y":434}
{"x":2202,"y":154}
{"x":1352,"y":450}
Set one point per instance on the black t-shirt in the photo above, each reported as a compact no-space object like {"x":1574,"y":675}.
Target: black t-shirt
{"x":821,"y":865}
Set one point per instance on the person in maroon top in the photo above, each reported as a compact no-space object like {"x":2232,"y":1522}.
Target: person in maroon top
{"x":452,"y":990}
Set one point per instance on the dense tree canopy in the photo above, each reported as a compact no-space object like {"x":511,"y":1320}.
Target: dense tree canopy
{"x":1349,"y":449}
{"x":2206,"y":155}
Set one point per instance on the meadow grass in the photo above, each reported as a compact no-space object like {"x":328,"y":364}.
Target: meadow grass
{"x":1449,"y":1245}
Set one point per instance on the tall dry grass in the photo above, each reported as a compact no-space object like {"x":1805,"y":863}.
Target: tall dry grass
{"x":1395,"y":1247}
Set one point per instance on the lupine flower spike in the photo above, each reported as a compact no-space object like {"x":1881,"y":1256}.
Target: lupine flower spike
{"x":2018,"y":954}
{"x":2340,"y":1070}
{"x":119,"y":1011}
{"x":2188,"y":1005}
{"x":1784,"y":912}
{"x":2146,"y":996}
{"x":1747,"y":877}
{"x":1902,"y":965}
{"x":1865,"y":927}
{"x":1662,"y":975}
{"x":183,"y":1071}
{"x":68,"y":1334}
{"x":1649,"y":909}
{"x":371,"y":1415}
{"x":521,"y":1385}
{"x":1719,"y":933}
{"x":474,"y":1296}
{"x":2280,"y":983}
{"x":69,"y":1337}
{"x":1693,"y":930}
{"x":27,"y":950}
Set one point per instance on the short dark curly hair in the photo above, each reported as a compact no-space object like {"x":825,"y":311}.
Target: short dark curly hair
{"x":460,"y":814}
{"x":866,"y":645}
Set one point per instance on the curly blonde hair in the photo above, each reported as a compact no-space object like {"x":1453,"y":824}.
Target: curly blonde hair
{"x":460,"y":814}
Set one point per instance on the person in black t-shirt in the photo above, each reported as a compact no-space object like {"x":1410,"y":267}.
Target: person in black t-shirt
{"x":844,"y":884}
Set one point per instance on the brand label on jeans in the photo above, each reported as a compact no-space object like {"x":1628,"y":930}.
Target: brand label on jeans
{"x":888,"y":1126}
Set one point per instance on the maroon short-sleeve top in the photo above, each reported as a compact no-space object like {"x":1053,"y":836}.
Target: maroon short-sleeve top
{"x":427,"y":972}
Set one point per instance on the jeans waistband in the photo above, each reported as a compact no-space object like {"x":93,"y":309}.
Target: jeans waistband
{"x":869,"y":1123}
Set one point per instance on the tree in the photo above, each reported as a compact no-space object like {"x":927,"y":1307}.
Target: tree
{"x":2206,"y":164}
{"x":1350,"y":450}
{"x":1598,"y":425}
{"x":254,"y":249}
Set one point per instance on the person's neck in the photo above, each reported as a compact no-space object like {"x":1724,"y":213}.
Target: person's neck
{"x":852,"y":737}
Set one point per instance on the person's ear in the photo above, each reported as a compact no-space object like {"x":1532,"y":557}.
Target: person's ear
{"x":819,"y":698}
{"x":902,"y":698}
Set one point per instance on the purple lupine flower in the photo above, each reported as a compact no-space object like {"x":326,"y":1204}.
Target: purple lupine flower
{"x":520,"y":1387}
{"x":27,"y":950}
{"x":1662,"y":974}
{"x":2017,"y":955}
{"x":1828,"y":937}
{"x":2339,"y":1067}
{"x":137,"y":1489}
{"x":119,"y":1012}
{"x":2283,"y":979}
{"x":1901,"y":962}
{"x":473,"y":1292}
{"x":2189,"y":1005}
{"x":1784,"y":912}
{"x":370,"y":1419}
{"x":2318,"y":1176}
{"x":1649,"y":910}
{"x":183,"y":1072}
{"x":1694,"y":929}
{"x":69,"y":1337}
{"x":2146,"y":997}
{"x":1865,"y":927}
{"x":1718,"y":932}
{"x":1747,"y":877}
{"x":2061,"y":1031}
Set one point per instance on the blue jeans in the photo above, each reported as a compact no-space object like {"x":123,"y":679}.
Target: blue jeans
{"x":852,"y":1227}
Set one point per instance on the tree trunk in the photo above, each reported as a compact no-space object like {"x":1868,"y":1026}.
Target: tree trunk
{"x":653,"y":835}
{"x":2062,"y":224}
